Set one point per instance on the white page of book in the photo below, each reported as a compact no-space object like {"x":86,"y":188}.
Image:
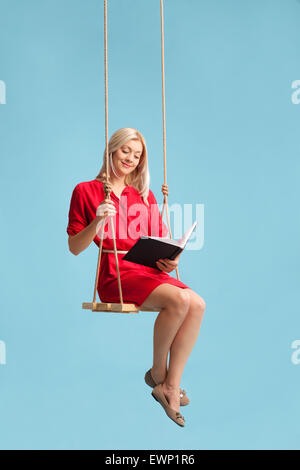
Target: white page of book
{"x":181,"y":241}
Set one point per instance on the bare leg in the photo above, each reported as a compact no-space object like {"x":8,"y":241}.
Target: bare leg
{"x":182,"y":346}
{"x":175,"y":304}
{"x":166,"y":326}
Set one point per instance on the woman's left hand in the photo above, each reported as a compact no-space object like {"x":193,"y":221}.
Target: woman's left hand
{"x":167,"y":265}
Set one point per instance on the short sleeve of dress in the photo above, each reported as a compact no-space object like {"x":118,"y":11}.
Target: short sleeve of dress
{"x":77,"y":218}
{"x":157,"y":228}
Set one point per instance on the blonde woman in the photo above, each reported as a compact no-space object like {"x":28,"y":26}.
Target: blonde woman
{"x":180,"y":309}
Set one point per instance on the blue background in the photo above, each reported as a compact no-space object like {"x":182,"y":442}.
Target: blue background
{"x":74,"y":379}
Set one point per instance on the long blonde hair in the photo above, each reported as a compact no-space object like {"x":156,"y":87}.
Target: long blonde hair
{"x":140,"y":177}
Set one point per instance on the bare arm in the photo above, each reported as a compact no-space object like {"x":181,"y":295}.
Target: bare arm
{"x":83,"y":239}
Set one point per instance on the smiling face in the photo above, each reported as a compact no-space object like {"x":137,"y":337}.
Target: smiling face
{"x":127,"y":157}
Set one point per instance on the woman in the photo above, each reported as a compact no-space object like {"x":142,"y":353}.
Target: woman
{"x":181,"y":309}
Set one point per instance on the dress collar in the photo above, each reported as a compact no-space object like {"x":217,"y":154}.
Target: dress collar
{"x":125,"y":190}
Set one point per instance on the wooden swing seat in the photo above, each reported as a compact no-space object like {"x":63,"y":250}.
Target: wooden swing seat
{"x":115,"y":307}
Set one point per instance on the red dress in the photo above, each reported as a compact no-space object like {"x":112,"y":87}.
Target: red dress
{"x":137,"y":281}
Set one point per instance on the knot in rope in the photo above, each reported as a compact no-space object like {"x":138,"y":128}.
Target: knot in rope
{"x":165,"y":189}
{"x":107,"y":186}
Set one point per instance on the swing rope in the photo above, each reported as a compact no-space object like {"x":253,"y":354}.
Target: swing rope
{"x":165,"y":203}
{"x":107,"y":184}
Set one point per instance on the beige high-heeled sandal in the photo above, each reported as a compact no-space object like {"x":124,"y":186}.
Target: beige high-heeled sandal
{"x":159,"y":396}
{"x":184,"y":399}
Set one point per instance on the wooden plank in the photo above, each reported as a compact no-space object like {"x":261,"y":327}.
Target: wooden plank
{"x":116,"y":307}
{"x":111,"y":307}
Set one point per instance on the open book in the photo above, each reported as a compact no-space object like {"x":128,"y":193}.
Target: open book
{"x":148,"y":250}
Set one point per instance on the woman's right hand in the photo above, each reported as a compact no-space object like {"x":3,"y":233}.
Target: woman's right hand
{"x":105,"y":209}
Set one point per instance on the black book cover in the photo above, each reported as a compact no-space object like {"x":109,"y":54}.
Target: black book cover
{"x":148,"y":250}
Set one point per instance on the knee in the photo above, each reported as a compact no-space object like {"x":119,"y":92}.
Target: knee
{"x":181,"y":302}
{"x":198,"y":305}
